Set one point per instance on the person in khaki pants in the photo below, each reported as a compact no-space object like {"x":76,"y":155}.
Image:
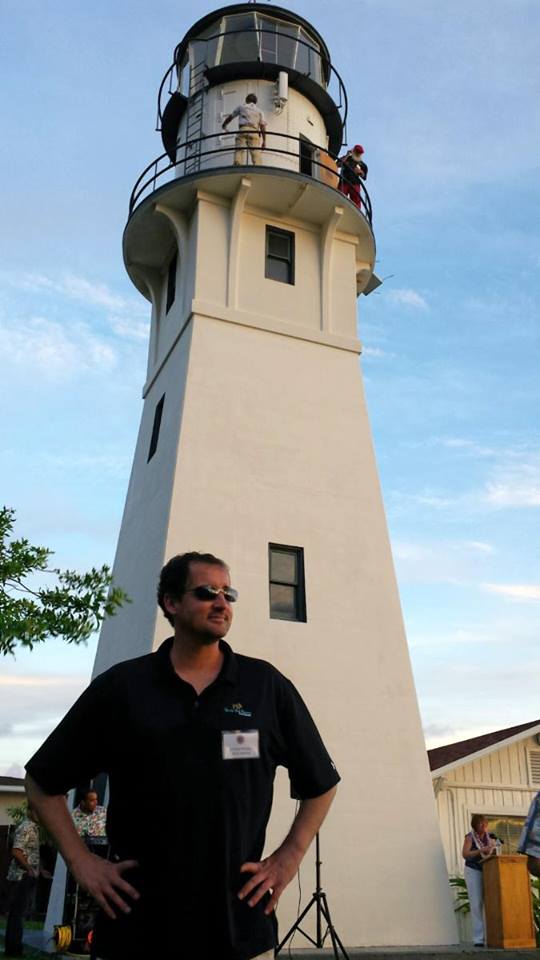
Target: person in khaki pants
{"x":251,"y":136}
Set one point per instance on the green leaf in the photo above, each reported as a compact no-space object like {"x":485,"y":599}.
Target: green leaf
{"x":68,"y":604}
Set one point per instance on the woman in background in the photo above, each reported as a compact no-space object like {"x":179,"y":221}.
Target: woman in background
{"x":479,"y":845}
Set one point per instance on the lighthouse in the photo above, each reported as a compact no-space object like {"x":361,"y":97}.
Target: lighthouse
{"x":255,"y":444}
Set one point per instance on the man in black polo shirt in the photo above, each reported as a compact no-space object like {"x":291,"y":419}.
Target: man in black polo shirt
{"x":208,"y":727}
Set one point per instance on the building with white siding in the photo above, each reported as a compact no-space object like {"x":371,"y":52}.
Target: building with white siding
{"x":496,"y":774}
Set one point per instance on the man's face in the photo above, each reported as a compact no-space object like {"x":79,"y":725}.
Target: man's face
{"x":205,"y":620}
{"x":89,"y":803}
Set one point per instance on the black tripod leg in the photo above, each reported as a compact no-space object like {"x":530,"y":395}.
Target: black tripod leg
{"x":296,"y":924}
{"x":333,"y":935}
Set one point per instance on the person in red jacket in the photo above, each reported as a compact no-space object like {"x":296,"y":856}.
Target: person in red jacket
{"x":353,"y":170}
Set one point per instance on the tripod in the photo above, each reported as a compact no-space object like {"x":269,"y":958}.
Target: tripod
{"x":323,"y":912}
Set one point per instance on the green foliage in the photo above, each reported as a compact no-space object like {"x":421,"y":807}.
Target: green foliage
{"x":18,"y":813}
{"x":462,"y":904}
{"x":72,"y":607}
{"x":535,"y":890}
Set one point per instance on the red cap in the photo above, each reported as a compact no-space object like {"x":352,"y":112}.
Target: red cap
{"x":358,"y":148}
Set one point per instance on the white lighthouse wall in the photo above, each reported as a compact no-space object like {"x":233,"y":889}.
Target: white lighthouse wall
{"x":275,"y":447}
{"x":298,"y":117}
{"x":297,"y":304}
{"x":265,"y":439}
{"x":143,"y":533}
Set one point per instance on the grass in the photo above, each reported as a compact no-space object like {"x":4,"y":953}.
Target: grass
{"x":29,"y":953}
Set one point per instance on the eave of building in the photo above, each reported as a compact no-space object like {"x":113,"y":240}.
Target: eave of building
{"x":486,"y":751}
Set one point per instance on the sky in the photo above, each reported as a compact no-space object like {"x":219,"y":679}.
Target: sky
{"x":444,"y":98}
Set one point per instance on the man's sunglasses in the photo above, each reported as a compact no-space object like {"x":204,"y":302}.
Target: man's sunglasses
{"x":206,"y":592}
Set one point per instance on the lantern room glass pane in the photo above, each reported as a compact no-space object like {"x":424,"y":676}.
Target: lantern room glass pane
{"x":308,"y":59}
{"x":243,"y":45}
{"x":287,"y":45}
{"x":269,"y":39}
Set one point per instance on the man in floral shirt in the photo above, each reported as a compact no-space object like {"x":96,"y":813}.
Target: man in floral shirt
{"x":89,"y":818}
{"x":529,"y":841}
{"x":22,"y":876}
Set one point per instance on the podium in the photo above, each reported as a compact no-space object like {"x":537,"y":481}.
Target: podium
{"x":508,"y":904}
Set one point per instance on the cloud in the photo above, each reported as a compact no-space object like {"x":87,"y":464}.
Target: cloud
{"x":440,"y":735}
{"x":375,"y":352}
{"x":31,"y":705}
{"x":130,"y":328}
{"x":58,"y":351}
{"x":515,"y":486}
{"x":76,"y":288}
{"x":515,"y":591}
{"x":104,"y":465}
{"x":14,"y":770}
{"x":407,"y":298}
{"x":462,"y":443}
{"x":448,"y":561}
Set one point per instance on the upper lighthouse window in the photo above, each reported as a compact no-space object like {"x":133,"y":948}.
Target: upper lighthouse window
{"x":240,"y":40}
{"x":279,"y":255}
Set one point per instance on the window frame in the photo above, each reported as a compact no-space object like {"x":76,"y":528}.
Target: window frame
{"x":299,"y":586}
{"x":270,"y":258}
{"x":156,"y":427}
{"x":172,"y":270}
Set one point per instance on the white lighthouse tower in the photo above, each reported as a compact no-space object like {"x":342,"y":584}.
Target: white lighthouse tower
{"x":255,"y":444}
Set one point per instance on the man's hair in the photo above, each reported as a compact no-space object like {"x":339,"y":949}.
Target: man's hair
{"x":174,"y":577}
{"x":476,"y":820}
{"x":251,"y":98}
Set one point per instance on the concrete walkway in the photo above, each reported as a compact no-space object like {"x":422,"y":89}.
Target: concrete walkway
{"x":35,"y":938}
{"x":411,"y":953}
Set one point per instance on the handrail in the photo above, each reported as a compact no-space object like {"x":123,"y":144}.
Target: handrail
{"x":276,"y":33}
{"x":142,"y":186}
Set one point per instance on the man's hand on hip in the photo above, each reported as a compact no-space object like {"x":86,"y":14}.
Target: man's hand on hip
{"x":104,"y":882}
{"x":272,"y":874}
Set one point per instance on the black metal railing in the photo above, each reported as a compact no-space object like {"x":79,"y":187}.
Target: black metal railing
{"x":318,"y":66}
{"x":321,"y":163}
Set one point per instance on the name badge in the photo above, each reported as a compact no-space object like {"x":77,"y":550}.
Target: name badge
{"x":240,"y":744}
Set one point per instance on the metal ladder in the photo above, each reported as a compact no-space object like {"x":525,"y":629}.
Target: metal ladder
{"x":195,"y":119}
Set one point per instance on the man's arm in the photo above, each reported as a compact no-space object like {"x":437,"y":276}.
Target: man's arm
{"x":262,"y":129}
{"x":20,"y":856}
{"x":277,"y":870}
{"x":102,"y":879}
{"x":226,"y":121}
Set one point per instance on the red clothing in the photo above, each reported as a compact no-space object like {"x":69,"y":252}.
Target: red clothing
{"x":351,"y":190}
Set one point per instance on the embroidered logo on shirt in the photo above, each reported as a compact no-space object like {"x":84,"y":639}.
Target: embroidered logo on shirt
{"x":239,"y":710}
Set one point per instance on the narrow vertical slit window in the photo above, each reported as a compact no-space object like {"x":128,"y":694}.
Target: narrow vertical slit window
{"x":155,"y":429}
{"x":171,"y":281}
{"x":279,"y":255}
{"x":287,"y":583}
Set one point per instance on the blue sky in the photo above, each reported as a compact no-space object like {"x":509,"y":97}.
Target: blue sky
{"x":444,"y":97}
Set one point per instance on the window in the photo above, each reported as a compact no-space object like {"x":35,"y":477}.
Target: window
{"x":155,"y":429}
{"x":171,"y":281}
{"x":287,"y":586}
{"x":279,"y":255}
{"x":241,"y":41}
{"x":534,"y":766}
{"x":507,"y":829}
{"x":306,"y":156}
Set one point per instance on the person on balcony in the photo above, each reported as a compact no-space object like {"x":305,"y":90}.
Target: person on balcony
{"x":251,"y":136}
{"x":353,"y":170}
